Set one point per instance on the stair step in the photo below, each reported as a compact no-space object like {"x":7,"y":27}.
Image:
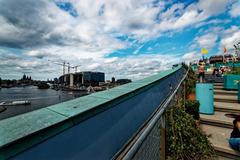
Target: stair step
{"x":227,"y":107}
{"x":224,"y":92}
{"x":219,"y":139}
{"x":218,"y":84}
{"x":226,"y":98}
{"x":218,"y":119}
{"x":218,"y":87}
{"x":223,"y":158}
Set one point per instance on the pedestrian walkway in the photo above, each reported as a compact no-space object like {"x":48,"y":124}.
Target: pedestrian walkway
{"x":218,"y":126}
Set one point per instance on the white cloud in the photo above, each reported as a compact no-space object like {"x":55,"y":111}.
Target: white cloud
{"x":37,"y":54}
{"x":212,"y":7}
{"x":51,"y":25}
{"x":213,"y":22}
{"x":194,"y":14}
{"x":191,"y":56}
{"x":133,"y":67}
{"x":230,"y":37}
{"x":46,"y":32}
{"x":140,"y":66}
{"x":235,"y":11}
{"x":207,"y":41}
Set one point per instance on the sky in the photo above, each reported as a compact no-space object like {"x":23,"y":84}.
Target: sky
{"x":125,"y":39}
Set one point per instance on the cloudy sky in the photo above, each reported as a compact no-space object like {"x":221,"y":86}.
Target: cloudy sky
{"x":125,"y":39}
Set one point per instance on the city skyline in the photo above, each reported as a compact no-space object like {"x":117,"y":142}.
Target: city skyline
{"x":126,"y":39}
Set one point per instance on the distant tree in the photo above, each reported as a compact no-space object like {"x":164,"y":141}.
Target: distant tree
{"x":8,"y":82}
{"x":30,"y":78}
{"x":0,"y":81}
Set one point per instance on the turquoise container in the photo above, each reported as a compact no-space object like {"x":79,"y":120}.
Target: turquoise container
{"x":238,"y":92}
{"x":230,"y":81}
{"x":204,"y":94}
{"x":236,"y":64}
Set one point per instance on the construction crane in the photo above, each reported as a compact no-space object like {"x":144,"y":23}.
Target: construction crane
{"x":61,"y":64}
{"x":75,"y":67}
{"x":66,"y":64}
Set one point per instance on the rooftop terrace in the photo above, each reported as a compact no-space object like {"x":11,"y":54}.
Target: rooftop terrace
{"x":22,"y":132}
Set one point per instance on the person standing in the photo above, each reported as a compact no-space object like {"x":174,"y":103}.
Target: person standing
{"x":214,"y":72}
{"x":201,"y":72}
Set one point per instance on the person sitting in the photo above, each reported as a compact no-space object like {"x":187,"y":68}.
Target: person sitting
{"x":234,"y":140}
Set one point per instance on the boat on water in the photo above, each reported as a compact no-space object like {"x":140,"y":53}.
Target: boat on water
{"x":43,"y":86}
{"x":15,"y":103}
{"x":2,"y":108}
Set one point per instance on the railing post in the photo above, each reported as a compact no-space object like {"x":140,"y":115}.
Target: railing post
{"x":162,"y":138}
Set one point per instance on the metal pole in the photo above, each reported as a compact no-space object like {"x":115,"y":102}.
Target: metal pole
{"x":64,"y":67}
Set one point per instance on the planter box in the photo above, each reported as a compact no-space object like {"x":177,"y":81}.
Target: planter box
{"x":204,"y":94}
{"x":230,"y":81}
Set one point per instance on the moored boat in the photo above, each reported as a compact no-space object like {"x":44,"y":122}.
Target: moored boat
{"x":14,"y":103}
{"x":43,"y":86}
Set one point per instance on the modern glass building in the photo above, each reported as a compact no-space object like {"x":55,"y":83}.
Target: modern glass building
{"x":82,"y":78}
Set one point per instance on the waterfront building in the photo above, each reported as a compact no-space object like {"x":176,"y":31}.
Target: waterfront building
{"x":82,"y":79}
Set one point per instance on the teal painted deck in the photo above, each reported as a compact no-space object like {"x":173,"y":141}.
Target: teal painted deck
{"x":54,"y":119}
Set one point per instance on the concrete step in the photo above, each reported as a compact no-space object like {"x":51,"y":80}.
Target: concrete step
{"x":227,"y":107}
{"x":219,"y":139}
{"x":223,"y":158}
{"x":218,"y":119}
{"x":224,"y":92}
{"x":218,"y":84}
{"x":225,"y":98}
{"x":218,"y":87}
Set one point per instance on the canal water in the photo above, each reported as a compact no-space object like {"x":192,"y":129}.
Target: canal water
{"x":39,"y":98}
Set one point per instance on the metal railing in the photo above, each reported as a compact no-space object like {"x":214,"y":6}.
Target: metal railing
{"x":100,"y":124}
{"x":149,"y":142}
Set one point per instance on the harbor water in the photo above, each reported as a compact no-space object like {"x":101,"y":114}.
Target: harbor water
{"x":39,"y":98}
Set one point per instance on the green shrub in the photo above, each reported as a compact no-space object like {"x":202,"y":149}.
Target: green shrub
{"x":235,"y":70}
{"x":190,"y":82}
{"x":185,"y":140}
{"x":192,"y":108}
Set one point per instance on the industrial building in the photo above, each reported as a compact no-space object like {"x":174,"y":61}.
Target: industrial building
{"x":82,"y":79}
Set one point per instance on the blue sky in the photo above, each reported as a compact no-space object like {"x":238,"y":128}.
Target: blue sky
{"x":126,"y":39}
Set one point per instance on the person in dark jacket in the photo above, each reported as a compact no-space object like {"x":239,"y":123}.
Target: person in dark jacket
{"x":234,"y":140}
